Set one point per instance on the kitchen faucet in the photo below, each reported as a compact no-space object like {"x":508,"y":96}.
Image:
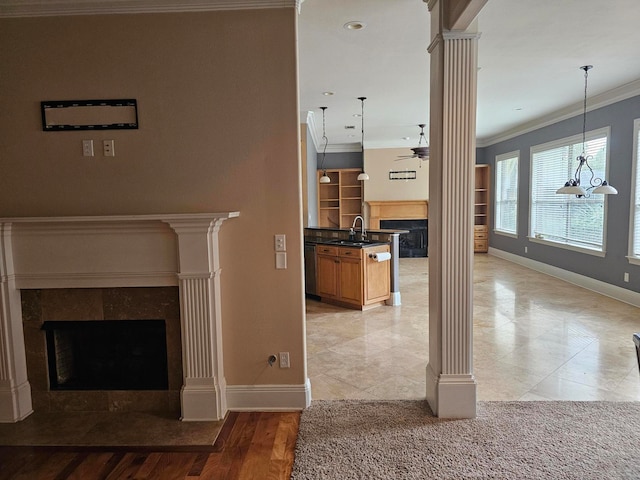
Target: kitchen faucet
{"x":352,"y":231}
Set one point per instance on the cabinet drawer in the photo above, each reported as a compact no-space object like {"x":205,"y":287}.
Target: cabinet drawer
{"x":325,"y":250}
{"x":480,"y":245}
{"x":480,"y":235}
{"x":480,"y":228}
{"x":349,"y":252}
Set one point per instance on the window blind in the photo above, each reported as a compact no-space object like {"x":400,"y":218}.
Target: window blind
{"x":506,"y":198}
{"x":635,"y":240}
{"x":566,"y":219}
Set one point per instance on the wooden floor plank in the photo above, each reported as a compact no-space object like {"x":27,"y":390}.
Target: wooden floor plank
{"x":257,"y":460}
{"x":251,"y":445}
{"x":91,"y":464}
{"x":128,"y":467}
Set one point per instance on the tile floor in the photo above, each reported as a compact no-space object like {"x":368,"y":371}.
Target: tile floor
{"x":535,"y":338}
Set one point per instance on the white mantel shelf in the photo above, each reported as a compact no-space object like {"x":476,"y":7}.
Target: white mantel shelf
{"x":162,"y":217}
{"x":118,"y":251}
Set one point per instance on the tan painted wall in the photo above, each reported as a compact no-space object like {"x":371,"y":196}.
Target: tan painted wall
{"x":219,"y":130}
{"x":378,"y":163}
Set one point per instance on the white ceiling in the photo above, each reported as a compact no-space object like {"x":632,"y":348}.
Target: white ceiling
{"x":529,"y":58}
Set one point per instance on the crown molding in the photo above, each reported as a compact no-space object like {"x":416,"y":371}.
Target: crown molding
{"x":44,"y":8}
{"x":610,"y":97}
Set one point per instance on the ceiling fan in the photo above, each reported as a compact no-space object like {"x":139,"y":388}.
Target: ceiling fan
{"x":421,"y":151}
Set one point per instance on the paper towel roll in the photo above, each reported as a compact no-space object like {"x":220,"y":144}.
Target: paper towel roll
{"x":381,"y":257}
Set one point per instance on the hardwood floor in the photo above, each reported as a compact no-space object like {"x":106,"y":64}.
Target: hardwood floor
{"x":251,"y":446}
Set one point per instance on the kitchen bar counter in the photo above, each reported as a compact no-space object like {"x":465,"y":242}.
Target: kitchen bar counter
{"x":314,"y":235}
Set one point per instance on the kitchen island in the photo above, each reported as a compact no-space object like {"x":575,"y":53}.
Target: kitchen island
{"x":347,"y":270}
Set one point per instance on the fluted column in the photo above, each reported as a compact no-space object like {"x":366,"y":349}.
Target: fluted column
{"x":203,"y":394}
{"x":15,"y":390}
{"x":451,"y":387}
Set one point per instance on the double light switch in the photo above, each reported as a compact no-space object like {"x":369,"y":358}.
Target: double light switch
{"x":281,"y":251}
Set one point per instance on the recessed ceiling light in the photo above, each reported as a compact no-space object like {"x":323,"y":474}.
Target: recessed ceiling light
{"x":357,"y":115}
{"x":354,"y":25}
{"x":406,"y":138}
{"x":519,"y":108}
{"x":327,"y":94}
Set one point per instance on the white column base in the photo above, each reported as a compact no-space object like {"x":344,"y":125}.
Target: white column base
{"x":451,"y":396}
{"x":202,"y":403}
{"x":394,"y":299}
{"x":15,"y":403}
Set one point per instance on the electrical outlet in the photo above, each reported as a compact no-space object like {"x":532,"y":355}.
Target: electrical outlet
{"x":526,"y":249}
{"x":626,"y":276}
{"x":108,"y":148}
{"x":280,"y":242}
{"x":284,"y":360}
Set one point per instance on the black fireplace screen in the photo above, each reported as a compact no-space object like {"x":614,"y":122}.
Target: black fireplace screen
{"x":107,"y":355}
{"x":415,"y":242}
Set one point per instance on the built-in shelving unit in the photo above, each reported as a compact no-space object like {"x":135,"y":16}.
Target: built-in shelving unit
{"x":481,"y":209}
{"x":340,"y":201}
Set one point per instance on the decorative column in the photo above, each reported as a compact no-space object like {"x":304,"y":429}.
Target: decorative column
{"x":15,"y":391}
{"x":203,"y":395}
{"x":451,"y":387}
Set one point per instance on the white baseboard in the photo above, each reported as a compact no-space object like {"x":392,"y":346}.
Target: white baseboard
{"x":268,"y":397}
{"x":598,"y":286}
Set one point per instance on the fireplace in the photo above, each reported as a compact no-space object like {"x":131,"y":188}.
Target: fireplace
{"x":414,"y":243}
{"x":117,"y":268}
{"x":130,"y":362}
{"x":107,"y":355}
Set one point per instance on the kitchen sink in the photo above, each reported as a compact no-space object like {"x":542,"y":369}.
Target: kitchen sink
{"x":352,"y":243}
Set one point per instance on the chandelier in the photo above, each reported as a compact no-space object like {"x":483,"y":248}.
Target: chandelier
{"x":572,"y":186}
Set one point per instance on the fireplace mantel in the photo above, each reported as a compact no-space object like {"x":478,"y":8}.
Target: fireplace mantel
{"x":396,"y":210}
{"x":115,"y":251}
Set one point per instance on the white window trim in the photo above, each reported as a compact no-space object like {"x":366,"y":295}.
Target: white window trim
{"x":575,"y":248}
{"x":604,"y":131}
{"x":633,"y":259}
{"x":506,"y":234}
{"x":499,"y":158}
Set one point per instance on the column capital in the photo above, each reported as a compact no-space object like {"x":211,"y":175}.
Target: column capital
{"x":451,"y":35}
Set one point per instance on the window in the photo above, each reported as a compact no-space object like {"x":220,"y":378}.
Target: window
{"x":506,"y":199}
{"x":565,"y":220}
{"x":634,"y":241}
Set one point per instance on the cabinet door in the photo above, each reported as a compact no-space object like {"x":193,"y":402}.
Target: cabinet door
{"x":377,"y":278}
{"x":351,"y":280}
{"x":326,"y":275}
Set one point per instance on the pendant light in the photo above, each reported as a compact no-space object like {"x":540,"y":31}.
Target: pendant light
{"x":572,"y":186}
{"x":324,"y":178}
{"x":363,"y":175}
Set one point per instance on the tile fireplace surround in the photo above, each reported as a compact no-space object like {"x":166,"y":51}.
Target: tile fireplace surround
{"x":102,"y":257}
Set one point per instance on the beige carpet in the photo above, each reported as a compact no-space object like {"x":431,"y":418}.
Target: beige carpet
{"x":508,"y":440}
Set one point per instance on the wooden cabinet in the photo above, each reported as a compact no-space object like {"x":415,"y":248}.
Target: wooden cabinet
{"x":377,"y":276}
{"x":340,"y":201}
{"x":347,"y":276}
{"x":327,"y":272}
{"x":481,"y":209}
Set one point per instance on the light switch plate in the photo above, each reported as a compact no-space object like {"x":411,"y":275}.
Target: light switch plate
{"x":87,"y":148}
{"x":281,"y":260}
